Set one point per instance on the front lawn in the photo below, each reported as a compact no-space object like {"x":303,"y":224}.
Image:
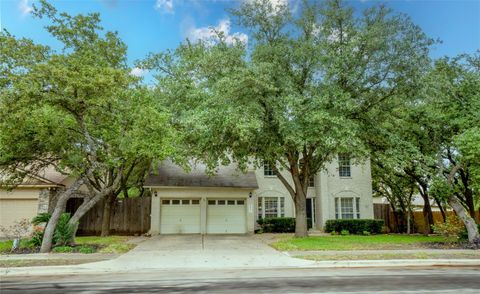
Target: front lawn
{"x":110,"y":244}
{"x":90,"y":244}
{"x":354,"y":242}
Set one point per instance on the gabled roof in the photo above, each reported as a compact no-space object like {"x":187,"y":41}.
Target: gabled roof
{"x":169,"y":174}
{"x":46,"y":178}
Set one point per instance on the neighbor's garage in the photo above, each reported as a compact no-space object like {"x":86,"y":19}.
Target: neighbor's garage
{"x":180,"y":216}
{"x":16,"y":205}
{"x":226,"y":216}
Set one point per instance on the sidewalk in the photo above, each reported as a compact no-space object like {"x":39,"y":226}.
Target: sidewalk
{"x":93,"y":268}
{"x":59,"y":256}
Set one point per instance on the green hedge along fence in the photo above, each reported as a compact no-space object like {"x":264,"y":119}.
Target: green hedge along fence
{"x":354,"y":226}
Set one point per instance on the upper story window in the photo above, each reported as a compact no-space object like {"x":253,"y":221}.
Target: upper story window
{"x":344,"y":169}
{"x":311,"y":182}
{"x":268,"y":170}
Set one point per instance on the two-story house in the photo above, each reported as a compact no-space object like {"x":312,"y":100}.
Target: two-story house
{"x":230,"y":202}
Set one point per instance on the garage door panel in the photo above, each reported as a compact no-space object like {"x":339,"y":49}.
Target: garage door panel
{"x":180,"y":217}
{"x":226,"y":216}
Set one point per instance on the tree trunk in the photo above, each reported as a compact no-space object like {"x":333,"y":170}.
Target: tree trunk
{"x":52,"y":223}
{"x":87,"y":204}
{"x":57,"y":212}
{"x":408,"y":221}
{"x":301,"y":215}
{"x":442,"y":211}
{"x":107,"y":209}
{"x":472,"y":229}
{"x":427,"y":214}
{"x":468,"y":221}
{"x":470,"y":203}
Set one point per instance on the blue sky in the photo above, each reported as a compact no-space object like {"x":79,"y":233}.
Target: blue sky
{"x":157,"y":25}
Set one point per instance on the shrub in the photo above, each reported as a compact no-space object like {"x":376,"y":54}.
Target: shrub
{"x":63,"y":233}
{"x":86,"y":249}
{"x":344,"y":233}
{"x":36,"y":238}
{"x":366,"y":233}
{"x":62,"y":249}
{"x":355,"y":226}
{"x":17,"y":230}
{"x":463,"y":236}
{"x":277,"y":225}
{"x":452,"y":227}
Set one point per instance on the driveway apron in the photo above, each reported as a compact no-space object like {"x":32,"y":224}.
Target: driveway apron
{"x":197,"y":251}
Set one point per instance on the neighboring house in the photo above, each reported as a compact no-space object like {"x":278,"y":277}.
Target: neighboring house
{"x":28,"y":199}
{"x":230,"y":202}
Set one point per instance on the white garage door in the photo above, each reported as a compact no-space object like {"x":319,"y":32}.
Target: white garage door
{"x":226,"y":216}
{"x":180,"y":216}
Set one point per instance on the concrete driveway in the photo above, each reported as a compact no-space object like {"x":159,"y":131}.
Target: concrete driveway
{"x":196,"y":251}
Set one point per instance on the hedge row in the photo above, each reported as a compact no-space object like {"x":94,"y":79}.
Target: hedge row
{"x":277,"y":225}
{"x":354,"y":226}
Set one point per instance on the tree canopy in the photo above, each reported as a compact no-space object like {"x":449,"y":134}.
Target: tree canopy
{"x":77,"y":109}
{"x":303,"y":89}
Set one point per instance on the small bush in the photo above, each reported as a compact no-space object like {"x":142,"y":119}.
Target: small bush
{"x":63,"y":233}
{"x":344,"y":233}
{"x":86,"y":249}
{"x":277,"y":225}
{"x":366,"y":233}
{"x":36,"y":238}
{"x":62,"y":249}
{"x":463,"y":236}
{"x":452,"y":227}
{"x":354,"y":226}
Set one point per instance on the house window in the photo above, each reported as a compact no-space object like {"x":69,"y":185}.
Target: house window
{"x":347,"y":207}
{"x":344,"y":166}
{"x":311,"y":182}
{"x":270,"y":207}
{"x":268,"y":170}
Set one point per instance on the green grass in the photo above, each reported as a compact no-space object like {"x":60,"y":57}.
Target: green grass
{"x":397,"y":255}
{"x":6,"y":246}
{"x":110,"y":244}
{"x":355,"y":242}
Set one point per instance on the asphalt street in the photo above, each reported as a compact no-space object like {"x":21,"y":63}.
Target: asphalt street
{"x":380,"y":280}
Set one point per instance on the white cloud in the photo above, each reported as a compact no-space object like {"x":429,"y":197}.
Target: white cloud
{"x":210,"y":34}
{"x":138,"y":72}
{"x":165,"y":6}
{"x":24,"y":7}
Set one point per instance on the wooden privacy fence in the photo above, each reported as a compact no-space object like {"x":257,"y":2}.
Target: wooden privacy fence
{"x":130,"y":216}
{"x":384,"y":211}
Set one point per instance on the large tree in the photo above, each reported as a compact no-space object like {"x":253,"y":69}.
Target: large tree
{"x":455,"y":102}
{"x":303,"y":89}
{"x":77,"y":109}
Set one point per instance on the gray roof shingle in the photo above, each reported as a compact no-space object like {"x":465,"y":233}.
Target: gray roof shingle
{"x":169,"y":174}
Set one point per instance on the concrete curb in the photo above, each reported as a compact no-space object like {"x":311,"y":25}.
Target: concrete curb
{"x":80,"y":269}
